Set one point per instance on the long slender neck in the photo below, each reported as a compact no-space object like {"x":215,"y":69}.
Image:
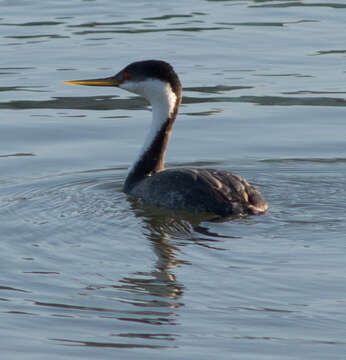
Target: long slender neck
{"x":151,"y":158}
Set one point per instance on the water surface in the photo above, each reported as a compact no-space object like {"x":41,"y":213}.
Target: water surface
{"x":88,"y":273}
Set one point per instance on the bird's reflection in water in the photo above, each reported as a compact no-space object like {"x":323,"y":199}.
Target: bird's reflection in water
{"x":160,"y":286}
{"x":168,"y":231}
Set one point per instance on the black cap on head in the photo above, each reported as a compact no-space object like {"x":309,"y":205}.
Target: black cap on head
{"x":154,"y":69}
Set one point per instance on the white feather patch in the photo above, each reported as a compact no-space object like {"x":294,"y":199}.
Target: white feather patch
{"x":162,"y":99}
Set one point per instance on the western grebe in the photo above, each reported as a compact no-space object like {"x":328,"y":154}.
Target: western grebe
{"x":192,"y":189}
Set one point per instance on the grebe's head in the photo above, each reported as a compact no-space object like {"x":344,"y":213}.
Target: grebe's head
{"x":152,"y":79}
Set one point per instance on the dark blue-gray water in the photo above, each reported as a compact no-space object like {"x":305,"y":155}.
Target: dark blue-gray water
{"x":88,"y":274}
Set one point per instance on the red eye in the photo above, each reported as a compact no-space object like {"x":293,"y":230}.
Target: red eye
{"x":126,"y":75}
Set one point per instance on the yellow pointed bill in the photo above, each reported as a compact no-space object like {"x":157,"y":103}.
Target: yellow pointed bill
{"x":111,"y":81}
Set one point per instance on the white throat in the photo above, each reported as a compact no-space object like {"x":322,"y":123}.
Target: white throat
{"x":162,"y":99}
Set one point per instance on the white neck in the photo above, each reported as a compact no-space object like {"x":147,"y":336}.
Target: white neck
{"x":163,"y":101}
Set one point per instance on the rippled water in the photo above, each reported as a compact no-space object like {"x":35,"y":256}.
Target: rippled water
{"x":87,"y":272}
